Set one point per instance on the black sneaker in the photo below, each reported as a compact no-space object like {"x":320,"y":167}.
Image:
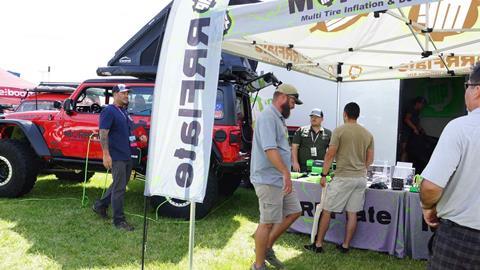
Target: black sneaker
{"x":123,"y":225}
{"x":101,"y":211}
{"x":342,"y":249}
{"x":314,"y":248}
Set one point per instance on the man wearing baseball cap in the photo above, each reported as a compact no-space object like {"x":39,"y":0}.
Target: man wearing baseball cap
{"x":270,"y":175}
{"x":310,"y":142}
{"x":116,"y":137}
{"x":290,"y":91}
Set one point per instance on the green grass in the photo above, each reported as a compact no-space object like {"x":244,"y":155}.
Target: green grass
{"x":55,"y":232}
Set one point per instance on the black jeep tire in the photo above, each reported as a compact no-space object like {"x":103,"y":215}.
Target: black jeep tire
{"x":18,"y":168}
{"x":181,"y":209}
{"x":74,"y":177}
{"x":228,"y":183}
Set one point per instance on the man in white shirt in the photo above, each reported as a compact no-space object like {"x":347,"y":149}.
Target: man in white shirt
{"x":450,"y":191}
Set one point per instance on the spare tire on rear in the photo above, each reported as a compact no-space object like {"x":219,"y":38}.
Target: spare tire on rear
{"x":175,"y":208}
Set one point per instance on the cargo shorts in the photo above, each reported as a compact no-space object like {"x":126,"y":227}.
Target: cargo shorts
{"x":345,"y":194}
{"x":274,"y":205}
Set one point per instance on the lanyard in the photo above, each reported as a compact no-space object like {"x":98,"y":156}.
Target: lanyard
{"x":316,"y":137}
{"x":121,"y":112}
{"x":126,"y":119}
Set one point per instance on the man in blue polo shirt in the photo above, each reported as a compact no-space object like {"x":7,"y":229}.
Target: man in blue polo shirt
{"x":116,"y":138}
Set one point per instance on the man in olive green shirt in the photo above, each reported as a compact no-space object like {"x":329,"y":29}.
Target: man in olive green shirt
{"x":310,"y":142}
{"x":352,"y":147}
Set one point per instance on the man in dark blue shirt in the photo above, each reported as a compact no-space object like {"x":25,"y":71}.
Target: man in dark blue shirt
{"x":116,"y":138}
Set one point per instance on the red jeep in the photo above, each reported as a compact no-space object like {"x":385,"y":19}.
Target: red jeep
{"x":58,"y":141}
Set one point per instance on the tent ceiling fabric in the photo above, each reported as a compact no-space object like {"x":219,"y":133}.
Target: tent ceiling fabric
{"x":392,"y":44}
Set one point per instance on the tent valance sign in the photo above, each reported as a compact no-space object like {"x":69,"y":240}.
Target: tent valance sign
{"x":359,"y":40}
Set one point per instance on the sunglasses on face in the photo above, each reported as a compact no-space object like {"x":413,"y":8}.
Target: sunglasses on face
{"x":470,"y":84}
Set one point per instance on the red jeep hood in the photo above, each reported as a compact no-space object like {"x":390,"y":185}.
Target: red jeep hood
{"x":30,"y":115}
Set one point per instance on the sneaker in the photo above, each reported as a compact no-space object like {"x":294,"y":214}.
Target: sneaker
{"x":263,"y":267}
{"x":314,"y":248}
{"x":101,"y":211}
{"x":273,"y":260}
{"x":342,"y":249}
{"x":123,"y":225}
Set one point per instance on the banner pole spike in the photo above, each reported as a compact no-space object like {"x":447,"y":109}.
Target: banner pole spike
{"x":191,"y":241}
{"x":145,"y":231}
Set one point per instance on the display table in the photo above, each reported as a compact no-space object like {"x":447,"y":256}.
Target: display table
{"x":417,"y":231}
{"x":381,"y":225}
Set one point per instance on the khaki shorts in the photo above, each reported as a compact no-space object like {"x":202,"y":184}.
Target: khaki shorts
{"x":274,"y":205}
{"x":345,"y":193}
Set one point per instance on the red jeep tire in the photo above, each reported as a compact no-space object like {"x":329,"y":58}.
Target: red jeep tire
{"x":228,"y":183}
{"x":174,"y":208}
{"x":18,"y":168}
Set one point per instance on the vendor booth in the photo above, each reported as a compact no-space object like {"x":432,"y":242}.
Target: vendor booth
{"x":392,"y":54}
{"x":385,"y":51}
{"x":371,"y":43}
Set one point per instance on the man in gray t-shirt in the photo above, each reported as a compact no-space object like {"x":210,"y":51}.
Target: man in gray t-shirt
{"x":450,"y":190}
{"x":270,"y":175}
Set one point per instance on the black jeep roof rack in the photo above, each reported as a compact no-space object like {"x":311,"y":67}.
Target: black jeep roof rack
{"x":52,"y":89}
{"x":139,"y":56}
{"x":68,"y":84}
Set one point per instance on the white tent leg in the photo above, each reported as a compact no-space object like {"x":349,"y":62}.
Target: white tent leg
{"x":427,"y":34}
{"x":338,"y":104}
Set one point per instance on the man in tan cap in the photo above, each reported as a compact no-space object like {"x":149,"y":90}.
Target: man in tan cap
{"x":270,"y":175}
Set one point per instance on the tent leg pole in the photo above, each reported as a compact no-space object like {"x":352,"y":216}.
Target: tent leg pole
{"x":338,"y":105}
{"x":145,"y":231}
{"x":191,"y":242}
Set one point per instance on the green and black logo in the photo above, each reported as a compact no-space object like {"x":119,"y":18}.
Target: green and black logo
{"x":326,"y":3}
{"x":202,"y":6}
{"x":227,"y":24}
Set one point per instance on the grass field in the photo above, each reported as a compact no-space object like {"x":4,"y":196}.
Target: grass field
{"x":48,"y":229}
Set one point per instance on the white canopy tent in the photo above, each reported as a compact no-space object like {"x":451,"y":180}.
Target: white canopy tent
{"x":338,"y":40}
{"x":430,"y":39}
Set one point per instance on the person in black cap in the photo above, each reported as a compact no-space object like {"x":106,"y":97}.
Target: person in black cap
{"x":411,"y":125}
{"x":310,"y":142}
{"x":116,"y":138}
